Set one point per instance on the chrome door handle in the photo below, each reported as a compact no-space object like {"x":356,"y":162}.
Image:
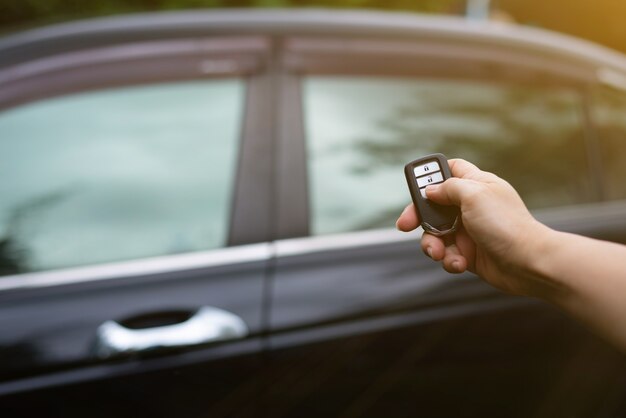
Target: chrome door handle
{"x":207,"y":325}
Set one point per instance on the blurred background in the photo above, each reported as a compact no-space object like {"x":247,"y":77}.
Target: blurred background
{"x":601,"y":21}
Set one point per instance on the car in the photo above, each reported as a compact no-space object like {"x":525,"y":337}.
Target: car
{"x":197,"y":215}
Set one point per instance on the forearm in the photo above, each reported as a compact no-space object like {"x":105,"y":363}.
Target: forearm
{"x":589,"y":278}
{"x":519,"y":255}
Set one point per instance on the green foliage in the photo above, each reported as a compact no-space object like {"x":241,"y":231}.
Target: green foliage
{"x":601,"y":21}
{"x":29,"y":12}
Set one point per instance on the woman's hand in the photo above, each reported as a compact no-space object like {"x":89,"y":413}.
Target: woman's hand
{"x":497,"y":237}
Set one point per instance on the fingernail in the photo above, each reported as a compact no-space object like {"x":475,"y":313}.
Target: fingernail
{"x":456,"y":265}
{"x":432,"y":188}
{"x":429,"y":251}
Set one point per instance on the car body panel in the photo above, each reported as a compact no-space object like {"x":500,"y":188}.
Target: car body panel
{"x":340,"y":323}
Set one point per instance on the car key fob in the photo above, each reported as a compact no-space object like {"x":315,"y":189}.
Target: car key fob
{"x":432,"y":169}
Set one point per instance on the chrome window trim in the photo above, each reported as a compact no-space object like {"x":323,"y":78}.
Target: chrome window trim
{"x":315,"y":244}
{"x":576,"y":219}
{"x":205,"y":259}
{"x":122,"y":270}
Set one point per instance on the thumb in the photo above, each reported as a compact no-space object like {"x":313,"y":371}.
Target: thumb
{"x":451,"y":192}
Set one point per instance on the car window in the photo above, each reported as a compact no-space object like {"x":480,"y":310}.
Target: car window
{"x":609,"y":114}
{"x":361,"y":131}
{"x":118,"y":174}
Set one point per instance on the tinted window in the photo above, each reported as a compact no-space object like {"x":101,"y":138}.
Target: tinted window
{"x":361,"y":131}
{"x":117,"y":174}
{"x":610,"y":120}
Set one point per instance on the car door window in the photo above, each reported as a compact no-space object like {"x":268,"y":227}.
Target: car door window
{"x":609,"y":112}
{"x":118,"y":174}
{"x":360,"y":132}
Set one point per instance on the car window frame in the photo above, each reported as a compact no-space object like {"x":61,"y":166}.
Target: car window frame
{"x":305,"y":56}
{"x":154,"y":62}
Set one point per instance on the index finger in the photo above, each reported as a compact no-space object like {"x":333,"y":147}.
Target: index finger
{"x":465,"y":170}
{"x":462,"y":168}
{"x":408,"y":219}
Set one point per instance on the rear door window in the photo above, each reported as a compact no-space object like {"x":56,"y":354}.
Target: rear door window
{"x":118,"y":174}
{"x":609,"y":116}
{"x":360,"y":131}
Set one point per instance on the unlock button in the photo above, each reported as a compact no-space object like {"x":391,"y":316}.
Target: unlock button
{"x":429,"y":179}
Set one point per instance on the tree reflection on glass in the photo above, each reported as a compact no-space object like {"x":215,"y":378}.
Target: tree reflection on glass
{"x":22,"y":222}
{"x":532,"y":138}
{"x":528,"y":135}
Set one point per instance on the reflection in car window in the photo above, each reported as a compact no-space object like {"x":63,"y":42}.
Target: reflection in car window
{"x":610,"y":120}
{"x":361,"y":131}
{"x":117,"y":174}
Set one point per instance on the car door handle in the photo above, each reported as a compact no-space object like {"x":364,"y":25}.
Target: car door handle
{"x":207,"y":325}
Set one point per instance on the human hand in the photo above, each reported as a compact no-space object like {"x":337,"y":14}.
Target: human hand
{"x":497,"y":237}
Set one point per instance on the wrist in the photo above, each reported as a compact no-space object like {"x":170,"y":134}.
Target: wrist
{"x":544,"y":248}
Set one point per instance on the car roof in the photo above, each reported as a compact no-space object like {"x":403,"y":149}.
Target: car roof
{"x":55,"y":39}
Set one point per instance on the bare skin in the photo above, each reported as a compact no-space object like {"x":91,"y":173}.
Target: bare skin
{"x":500,"y":241}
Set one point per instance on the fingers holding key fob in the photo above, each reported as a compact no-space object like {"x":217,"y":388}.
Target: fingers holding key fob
{"x":432,"y":169}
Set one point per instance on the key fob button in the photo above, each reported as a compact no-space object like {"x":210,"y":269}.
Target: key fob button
{"x":427,"y":168}
{"x":430,"y":179}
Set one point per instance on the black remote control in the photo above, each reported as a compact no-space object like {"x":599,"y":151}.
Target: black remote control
{"x":432,"y":169}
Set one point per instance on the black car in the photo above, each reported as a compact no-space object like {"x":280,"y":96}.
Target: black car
{"x":197,"y":215}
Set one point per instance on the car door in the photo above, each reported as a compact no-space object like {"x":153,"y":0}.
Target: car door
{"x":361,"y":323}
{"x":133,"y":228}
